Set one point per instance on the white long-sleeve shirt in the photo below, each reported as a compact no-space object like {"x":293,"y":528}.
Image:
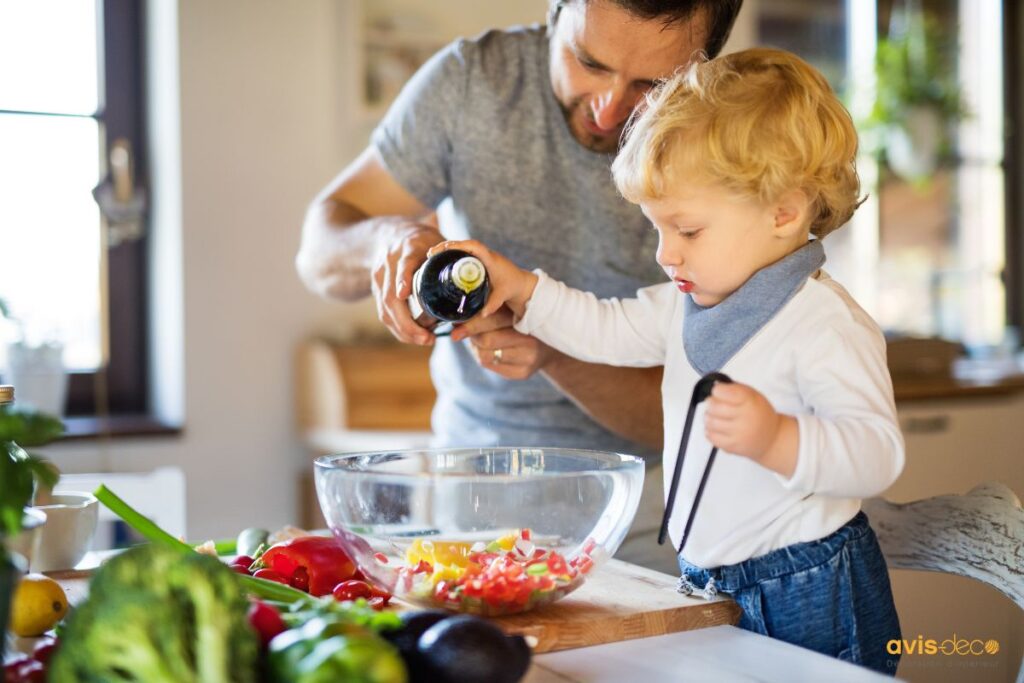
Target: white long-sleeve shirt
{"x":821,"y":359}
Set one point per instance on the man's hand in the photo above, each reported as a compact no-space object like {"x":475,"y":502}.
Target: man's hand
{"x":625,"y":400}
{"x":740,"y":420}
{"x":500,"y":348}
{"x":391,"y":279}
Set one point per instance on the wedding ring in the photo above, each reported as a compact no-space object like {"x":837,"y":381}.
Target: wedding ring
{"x":496,"y":356}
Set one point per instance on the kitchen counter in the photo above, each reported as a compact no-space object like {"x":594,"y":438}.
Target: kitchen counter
{"x":935,"y":387}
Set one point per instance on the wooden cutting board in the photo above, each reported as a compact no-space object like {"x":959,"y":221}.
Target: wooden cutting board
{"x":620,"y":601}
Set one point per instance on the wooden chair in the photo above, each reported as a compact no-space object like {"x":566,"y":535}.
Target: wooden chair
{"x":979,"y":535}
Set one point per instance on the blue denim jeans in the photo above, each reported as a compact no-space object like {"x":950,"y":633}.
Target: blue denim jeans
{"x":831,"y":595}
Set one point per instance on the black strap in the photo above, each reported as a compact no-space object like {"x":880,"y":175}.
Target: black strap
{"x":700,"y":392}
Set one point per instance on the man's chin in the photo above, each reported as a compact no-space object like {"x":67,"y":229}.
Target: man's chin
{"x":602,"y":144}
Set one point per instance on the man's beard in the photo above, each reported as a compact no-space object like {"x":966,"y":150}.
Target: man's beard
{"x":573,"y":113}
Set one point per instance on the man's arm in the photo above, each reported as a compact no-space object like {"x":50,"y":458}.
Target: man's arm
{"x":364,"y":233}
{"x":626,"y":401}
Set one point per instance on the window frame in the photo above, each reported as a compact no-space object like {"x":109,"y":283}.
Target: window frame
{"x":1013,"y":70}
{"x":122,"y":387}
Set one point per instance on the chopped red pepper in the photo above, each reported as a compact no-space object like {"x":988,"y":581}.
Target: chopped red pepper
{"x":319,"y":558}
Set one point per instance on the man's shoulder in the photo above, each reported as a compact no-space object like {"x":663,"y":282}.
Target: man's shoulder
{"x":511,"y":41}
{"x":497,"y":55}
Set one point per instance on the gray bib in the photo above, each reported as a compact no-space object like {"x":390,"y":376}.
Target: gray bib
{"x":713,"y":335}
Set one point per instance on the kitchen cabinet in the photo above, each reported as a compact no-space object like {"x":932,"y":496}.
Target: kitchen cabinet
{"x":952,"y":445}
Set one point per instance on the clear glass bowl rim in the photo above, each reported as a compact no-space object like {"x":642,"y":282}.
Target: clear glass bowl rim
{"x":617,"y":462}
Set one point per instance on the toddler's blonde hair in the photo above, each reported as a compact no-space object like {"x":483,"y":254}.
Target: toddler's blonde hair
{"x":760,"y":122}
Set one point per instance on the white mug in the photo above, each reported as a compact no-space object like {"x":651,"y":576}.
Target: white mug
{"x":67,"y":535}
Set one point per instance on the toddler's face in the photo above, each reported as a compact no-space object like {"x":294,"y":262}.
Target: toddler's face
{"x":711,"y":242}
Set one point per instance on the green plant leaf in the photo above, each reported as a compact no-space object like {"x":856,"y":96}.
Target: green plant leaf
{"x":19,"y":471}
{"x":28,"y":428}
{"x":914,"y":67}
{"x":43,"y":471}
{"x":16,"y":486}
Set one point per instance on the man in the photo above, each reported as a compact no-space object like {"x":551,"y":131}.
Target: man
{"x":512,"y":135}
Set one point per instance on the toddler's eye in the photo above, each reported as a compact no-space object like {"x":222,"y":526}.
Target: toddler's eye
{"x":689,"y":233}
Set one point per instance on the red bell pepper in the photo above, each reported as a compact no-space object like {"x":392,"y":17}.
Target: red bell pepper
{"x":314,"y":563}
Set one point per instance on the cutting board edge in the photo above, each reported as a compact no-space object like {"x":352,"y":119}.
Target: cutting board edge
{"x":609,"y":630}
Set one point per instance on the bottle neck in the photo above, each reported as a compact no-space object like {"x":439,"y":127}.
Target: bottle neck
{"x":467,"y":274}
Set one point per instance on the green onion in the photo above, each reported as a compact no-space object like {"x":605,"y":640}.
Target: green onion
{"x":136,"y":520}
{"x":272,"y":590}
{"x":261,"y":588}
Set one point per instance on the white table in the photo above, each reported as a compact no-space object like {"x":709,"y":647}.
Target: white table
{"x":721,"y":654}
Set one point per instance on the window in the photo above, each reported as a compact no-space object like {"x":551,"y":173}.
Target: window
{"x":70,"y":92}
{"x":929,"y":253}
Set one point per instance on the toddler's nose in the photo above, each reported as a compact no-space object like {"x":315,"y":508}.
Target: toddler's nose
{"x":668,"y":257}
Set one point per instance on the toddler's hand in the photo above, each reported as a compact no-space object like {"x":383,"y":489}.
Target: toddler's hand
{"x":740,"y":420}
{"x":510,"y":284}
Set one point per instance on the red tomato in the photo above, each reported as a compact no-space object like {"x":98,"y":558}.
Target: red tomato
{"x":30,"y":671}
{"x":270,"y":575}
{"x":243,"y":560}
{"x":265,"y":620}
{"x":12,"y":669}
{"x":43,"y":650}
{"x":352,"y":590}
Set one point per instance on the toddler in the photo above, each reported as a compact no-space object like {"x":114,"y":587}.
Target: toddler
{"x":743,"y":164}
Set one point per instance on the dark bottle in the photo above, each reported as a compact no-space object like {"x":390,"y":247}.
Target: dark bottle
{"x":450,"y":286}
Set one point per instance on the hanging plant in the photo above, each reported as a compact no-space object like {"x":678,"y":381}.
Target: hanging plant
{"x":918,"y":100}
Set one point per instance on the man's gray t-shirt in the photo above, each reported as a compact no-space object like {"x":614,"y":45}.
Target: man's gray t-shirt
{"x":479,"y":125}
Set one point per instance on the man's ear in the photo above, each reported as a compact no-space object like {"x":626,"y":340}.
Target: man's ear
{"x":792,"y":211}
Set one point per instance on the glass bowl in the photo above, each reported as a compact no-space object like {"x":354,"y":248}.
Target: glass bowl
{"x":486,"y":531}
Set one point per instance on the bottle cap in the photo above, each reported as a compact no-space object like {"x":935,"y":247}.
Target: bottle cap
{"x":6,"y":394}
{"x":468,"y":273}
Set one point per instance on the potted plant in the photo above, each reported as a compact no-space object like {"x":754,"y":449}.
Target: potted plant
{"x":35,"y":364}
{"x":20,"y":474}
{"x":918,"y":99}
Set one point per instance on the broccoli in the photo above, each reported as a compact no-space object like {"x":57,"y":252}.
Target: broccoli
{"x":155,"y":615}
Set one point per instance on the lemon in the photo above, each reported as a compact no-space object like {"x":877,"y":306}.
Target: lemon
{"x":37,"y":605}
